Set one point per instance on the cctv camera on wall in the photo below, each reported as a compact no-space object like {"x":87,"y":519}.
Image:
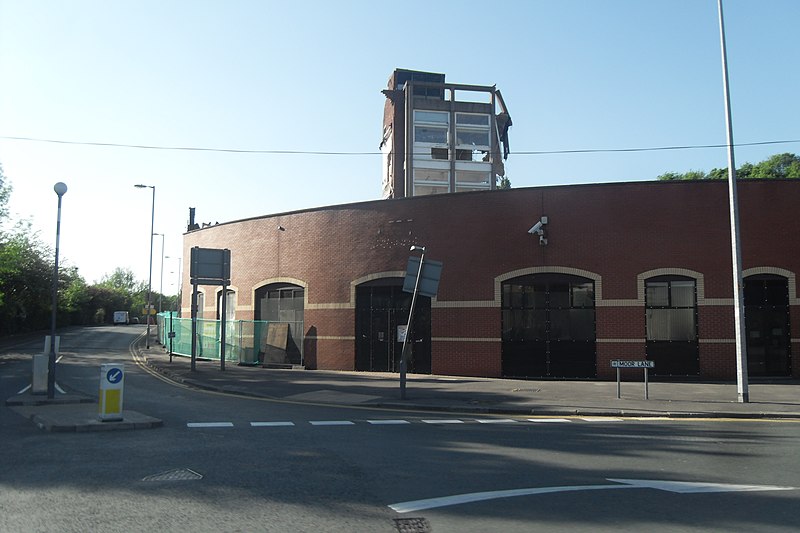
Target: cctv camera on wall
{"x":538,"y":228}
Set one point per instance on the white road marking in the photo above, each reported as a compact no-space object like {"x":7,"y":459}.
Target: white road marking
{"x":446,"y":501}
{"x":682,"y":487}
{"x":23,"y":390}
{"x":210,"y":424}
{"x":693,"y":487}
{"x":388,"y":422}
{"x":59,"y":389}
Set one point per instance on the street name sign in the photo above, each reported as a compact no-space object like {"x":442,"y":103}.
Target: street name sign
{"x":632,"y":364}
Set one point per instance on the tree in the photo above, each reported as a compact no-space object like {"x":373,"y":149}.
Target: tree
{"x":503,"y":182}
{"x":5,"y":194}
{"x":25,"y":282}
{"x":779,"y":166}
{"x":121,"y":279}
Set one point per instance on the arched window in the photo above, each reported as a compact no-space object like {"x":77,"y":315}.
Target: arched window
{"x":230,"y":305}
{"x":672,"y":341}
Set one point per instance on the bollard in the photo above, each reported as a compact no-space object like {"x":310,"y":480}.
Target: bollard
{"x":39,"y":379}
{"x":112,"y":379}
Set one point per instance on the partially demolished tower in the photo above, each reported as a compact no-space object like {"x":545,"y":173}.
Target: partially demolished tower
{"x":435,"y":143}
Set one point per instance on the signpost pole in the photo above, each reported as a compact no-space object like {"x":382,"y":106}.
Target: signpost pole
{"x":222,"y":327}
{"x":410,"y":327}
{"x":194,"y":326}
{"x":171,"y":335}
{"x":644,"y":365}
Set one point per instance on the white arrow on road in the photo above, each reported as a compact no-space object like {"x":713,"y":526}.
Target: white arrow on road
{"x":681,"y":487}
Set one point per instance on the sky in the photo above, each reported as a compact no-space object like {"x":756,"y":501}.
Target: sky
{"x":306,"y":76}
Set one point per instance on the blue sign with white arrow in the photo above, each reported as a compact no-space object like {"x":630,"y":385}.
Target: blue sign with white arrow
{"x":114,"y":375}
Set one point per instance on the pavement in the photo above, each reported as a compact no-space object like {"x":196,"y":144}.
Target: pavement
{"x":773,"y":399}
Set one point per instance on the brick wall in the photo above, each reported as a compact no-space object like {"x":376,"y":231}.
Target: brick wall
{"x":615,"y":232}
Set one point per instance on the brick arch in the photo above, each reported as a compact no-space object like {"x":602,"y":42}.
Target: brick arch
{"x":280,"y":279}
{"x":597,"y":278}
{"x":232,"y":288}
{"x":777,"y":271}
{"x":671,"y":271}
{"x":371,"y":277}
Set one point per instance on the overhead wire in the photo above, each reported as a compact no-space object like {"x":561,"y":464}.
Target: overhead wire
{"x":332,"y":153}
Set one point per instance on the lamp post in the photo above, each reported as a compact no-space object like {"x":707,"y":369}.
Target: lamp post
{"x":150,"y":280}
{"x":177,"y":300}
{"x":743,"y":394}
{"x":60,"y":189}
{"x":161,"y":286}
{"x":179,"y":272}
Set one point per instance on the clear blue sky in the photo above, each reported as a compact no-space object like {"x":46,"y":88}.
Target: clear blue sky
{"x":307,"y":75}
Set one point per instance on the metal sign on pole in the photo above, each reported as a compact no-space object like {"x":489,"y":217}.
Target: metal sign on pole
{"x":425,"y":277}
{"x":209,"y":266}
{"x":418,"y":274}
{"x":646,"y":365}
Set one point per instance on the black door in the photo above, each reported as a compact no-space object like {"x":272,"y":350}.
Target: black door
{"x":766,"y":300}
{"x":548,"y":323}
{"x":671,"y":322}
{"x":382,"y":309}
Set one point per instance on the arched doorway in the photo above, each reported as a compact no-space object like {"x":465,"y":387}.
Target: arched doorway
{"x":284,"y":303}
{"x":548,"y":326}
{"x":766,"y":301}
{"x":381,"y":308}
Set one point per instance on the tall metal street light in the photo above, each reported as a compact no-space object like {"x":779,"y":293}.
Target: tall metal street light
{"x":161,"y":286}
{"x":736,"y":247}
{"x":60,"y":189}
{"x":150,"y":280}
{"x":179,"y":272}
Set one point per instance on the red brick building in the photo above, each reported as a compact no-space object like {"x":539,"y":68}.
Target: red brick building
{"x":627,"y":270}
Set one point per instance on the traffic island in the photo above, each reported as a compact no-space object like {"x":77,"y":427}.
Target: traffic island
{"x":80,"y":417}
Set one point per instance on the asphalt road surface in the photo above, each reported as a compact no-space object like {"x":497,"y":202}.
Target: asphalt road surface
{"x":223,"y":463}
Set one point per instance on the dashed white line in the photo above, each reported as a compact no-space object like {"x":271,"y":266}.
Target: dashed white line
{"x":432,"y":421}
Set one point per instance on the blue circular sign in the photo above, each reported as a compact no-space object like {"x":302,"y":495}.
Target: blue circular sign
{"x":114,"y":375}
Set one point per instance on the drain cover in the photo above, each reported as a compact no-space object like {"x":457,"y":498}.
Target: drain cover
{"x":179,"y":474}
{"x":412,"y":525}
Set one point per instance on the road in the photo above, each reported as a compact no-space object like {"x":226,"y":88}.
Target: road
{"x":223,"y":463}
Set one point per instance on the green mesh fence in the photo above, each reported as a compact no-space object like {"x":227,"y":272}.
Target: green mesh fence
{"x":243,"y":338}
